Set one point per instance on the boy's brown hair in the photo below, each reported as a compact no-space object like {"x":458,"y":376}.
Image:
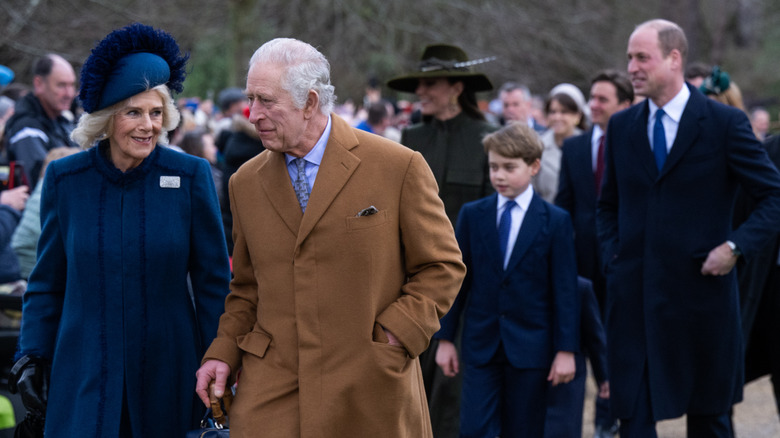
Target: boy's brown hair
{"x":515,"y":140}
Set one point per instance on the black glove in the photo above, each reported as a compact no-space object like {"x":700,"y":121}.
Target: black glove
{"x":30,"y":377}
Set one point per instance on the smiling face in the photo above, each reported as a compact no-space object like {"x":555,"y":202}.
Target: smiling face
{"x":604,"y":102}
{"x":136,"y":126}
{"x":438,"y":97}
{"x":510,"y":176}
{"x":652,"y":74}
{"x":561,"y":119}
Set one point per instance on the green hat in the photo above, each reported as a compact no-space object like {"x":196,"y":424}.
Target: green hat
{"x":444,"y":61}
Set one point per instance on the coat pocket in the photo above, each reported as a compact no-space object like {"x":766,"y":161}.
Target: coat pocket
{"x":255,"y":343}
{"x":362,"y":222}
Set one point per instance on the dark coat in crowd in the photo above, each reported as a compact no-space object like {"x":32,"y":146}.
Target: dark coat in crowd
{"x":108,"y":301}
{"x":30,"y":134}
{"x":453,"y":150}
{"x":238,"y":145}
{"x":759,"y":288}
{"x":656,"y":229}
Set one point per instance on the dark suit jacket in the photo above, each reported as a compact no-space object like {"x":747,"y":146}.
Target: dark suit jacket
{"x":532,"y":308}
{"x":655,"y":231}
{"x":577,"y":195}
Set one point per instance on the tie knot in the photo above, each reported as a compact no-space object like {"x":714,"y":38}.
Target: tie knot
{"x":510,"y":205}
{"x":658,"y":115}
{"x":300,"y":163}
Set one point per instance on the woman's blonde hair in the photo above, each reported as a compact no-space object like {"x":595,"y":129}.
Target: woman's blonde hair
{"x":99,"y":125}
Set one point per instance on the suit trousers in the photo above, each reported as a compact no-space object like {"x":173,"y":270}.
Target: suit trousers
{"x":642,"y":424}
{"x":501,"y":400}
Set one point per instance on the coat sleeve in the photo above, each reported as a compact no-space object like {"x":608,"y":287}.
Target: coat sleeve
{"x":43,"y":300}
{"x":450,"y":321}
{"x":565,"y":196}
{"x":566,"y":296}
{"x":607,"y":206}
{"x":757,"y":176}
{"x":432,"y":261}
{"x":241,"y":304}
{"x":209,"y":268}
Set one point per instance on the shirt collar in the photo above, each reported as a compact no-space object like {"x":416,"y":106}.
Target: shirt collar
{"x":675,"y":107}
{"x":597,"y":133}
{"x":523,"y":200}
{"x":315,"y":154}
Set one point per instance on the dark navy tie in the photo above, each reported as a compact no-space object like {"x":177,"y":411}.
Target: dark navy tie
{"x":659,"y":140}
{"x":505,"y":226}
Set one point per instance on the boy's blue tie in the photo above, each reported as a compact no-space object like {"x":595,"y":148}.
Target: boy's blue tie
{"x":504,"y":226}
{"x":659,"y":140}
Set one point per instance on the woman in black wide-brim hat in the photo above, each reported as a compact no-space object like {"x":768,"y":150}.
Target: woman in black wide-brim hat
{"x":450,"y":138}
{"x":450,"y":134}
{"x":111,"y":333}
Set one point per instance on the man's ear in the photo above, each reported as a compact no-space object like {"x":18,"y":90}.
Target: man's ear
{"x":38,"y":82}
{"x":312,"y":104}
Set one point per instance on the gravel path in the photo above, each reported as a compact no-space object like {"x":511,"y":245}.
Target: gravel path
{"x":755,"y":417}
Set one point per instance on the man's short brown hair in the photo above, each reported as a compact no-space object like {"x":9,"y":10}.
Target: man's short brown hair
{"x":515,"y":140}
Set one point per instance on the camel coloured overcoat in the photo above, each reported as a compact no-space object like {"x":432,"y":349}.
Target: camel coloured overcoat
{"x":311,"y":292}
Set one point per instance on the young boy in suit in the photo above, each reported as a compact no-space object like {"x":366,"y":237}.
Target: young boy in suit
{"x":519,"y":303}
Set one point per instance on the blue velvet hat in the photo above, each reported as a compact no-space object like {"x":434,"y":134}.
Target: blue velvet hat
{"x":129,"y":61}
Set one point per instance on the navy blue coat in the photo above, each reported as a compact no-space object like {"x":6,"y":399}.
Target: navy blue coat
{"x":577,"y":195}
{"x":108,"y":300}
{"x":533,"y":307}
{"x":656,"y":231}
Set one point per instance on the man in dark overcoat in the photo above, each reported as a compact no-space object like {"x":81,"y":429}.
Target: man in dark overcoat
{"x":664,"y":222}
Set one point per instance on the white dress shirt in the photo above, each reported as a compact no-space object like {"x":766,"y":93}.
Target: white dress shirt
{"x":523,"y":200}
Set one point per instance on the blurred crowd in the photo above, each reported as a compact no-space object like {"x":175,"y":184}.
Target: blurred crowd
{"x":38,"y":115}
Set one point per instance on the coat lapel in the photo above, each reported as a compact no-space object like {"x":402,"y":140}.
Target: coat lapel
{"x":641,"y":143}
{"x":278,"y":187}
{"x":688,"y":130}
{"x":338,"y":165}
{"x":533,"y":221}
{"x":487,"y":211}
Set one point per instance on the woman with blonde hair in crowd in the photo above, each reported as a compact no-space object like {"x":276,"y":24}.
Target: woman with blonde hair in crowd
{"x":112,"y":332}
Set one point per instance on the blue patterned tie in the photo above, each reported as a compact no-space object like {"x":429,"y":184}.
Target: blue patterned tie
{"x":659,"y":140}
{"x":504,"y":227}
{"x":301,"y":185}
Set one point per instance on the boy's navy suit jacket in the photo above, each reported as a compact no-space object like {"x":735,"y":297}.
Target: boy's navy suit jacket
{"x":533,"y":307}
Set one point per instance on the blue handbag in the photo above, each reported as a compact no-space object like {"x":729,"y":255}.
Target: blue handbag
{"x":209,"y":428}
{"x":215,"y":423}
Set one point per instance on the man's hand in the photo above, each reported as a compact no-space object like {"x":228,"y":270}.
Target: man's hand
{"x":719,"y":261}
{"x":215,"y":370}
{"x":604,"y":389}
{"x":15,"y":198}
{"x":391,"y":339}
{"x":562,"y":369}
{"x":447,"y":358}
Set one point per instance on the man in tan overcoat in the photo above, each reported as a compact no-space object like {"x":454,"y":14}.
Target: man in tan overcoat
{"x":343,"y":266}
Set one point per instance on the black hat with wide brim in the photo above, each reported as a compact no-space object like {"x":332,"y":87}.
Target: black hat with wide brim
{"x":444,"y":61}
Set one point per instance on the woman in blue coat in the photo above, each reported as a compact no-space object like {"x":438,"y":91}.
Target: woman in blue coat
{"x":125,"y":223}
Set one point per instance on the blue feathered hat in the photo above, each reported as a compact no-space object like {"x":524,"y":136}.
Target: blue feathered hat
{"x":129,"y":61}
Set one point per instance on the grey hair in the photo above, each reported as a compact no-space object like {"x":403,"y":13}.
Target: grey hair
{"x":305,"y":69}
{"x":99,"y":125}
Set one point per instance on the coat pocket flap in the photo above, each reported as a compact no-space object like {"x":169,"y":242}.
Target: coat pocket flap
{"x":254,"y":343}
